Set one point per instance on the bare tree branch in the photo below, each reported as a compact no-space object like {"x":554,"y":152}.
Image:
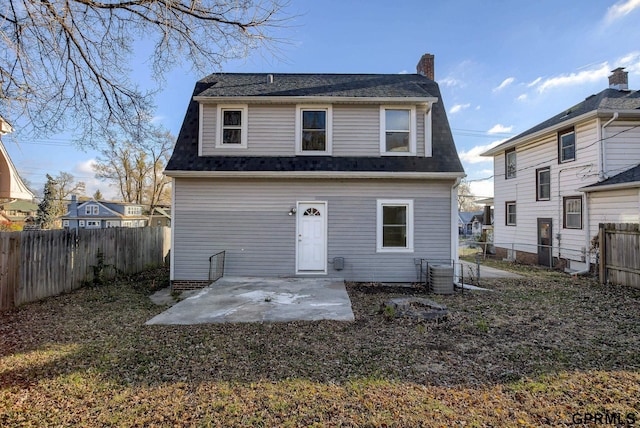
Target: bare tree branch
{"x":65,"y":62}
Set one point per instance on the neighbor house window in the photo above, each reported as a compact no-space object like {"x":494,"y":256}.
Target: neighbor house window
{"x":93,"y":223}
{"x":395,"y":225}
{"x":65,"y":223}
{"x":81,"y":223}
{"x":510,"y":164}
{"x":510,"y":213}
{"x":543,"y":184}
{"x":398,"y":131}
{"x":91,"y":210}
{"x":573,"y":212}
{"x":313,"y":130}
{"x":567,"y":145}
{"x":232,"y":126}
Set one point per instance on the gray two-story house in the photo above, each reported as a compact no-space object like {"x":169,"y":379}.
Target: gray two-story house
{"x":93,"y":214}
{"x":333,"y":175}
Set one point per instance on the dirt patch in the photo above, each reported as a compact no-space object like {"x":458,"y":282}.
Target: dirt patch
{"x":538,"y":350}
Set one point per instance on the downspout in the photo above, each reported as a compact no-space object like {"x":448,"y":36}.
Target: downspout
{"x":560,"y":216}
{"x":588,"y":241}
{"x":603,"y":148}
{"x":454,"y":230}
{"x":601,"y":176}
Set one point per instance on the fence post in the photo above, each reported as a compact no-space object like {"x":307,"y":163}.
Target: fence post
{"x":602,"y":268}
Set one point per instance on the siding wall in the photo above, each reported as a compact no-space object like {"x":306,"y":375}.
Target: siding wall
{"x":622,"y":147}
{"x":249,"y":220}
{"x":566,"y":178}
{"x":626,"y":205}
{"x":271,"y":131}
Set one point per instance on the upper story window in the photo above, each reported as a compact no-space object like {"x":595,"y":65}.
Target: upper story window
{"x":398,"y":131}
{"x":232,"y":126}
{"x":566,"y":145}
{"x":510,"y":164}
{"x":133,"y":210}
{"x":543,"y":184}
{"x":91,"y":210}
{"x":313,"y":130}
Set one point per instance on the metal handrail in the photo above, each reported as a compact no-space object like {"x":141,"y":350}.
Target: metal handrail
{"x":217,"y":272}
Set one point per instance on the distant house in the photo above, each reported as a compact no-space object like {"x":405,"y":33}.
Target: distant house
{"x":350,"y":176}
{"x":94,"y":214}
{"x":470,"y":223}
{"x":160,"y":217}
{"x":11,"y":185}
{"x":18,"y":211}
{"x":555,"y":182}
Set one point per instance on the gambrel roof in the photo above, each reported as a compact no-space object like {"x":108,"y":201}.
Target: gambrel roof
{"x":332,"y":88}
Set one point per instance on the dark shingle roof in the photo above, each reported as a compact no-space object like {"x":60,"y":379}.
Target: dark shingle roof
{"x":445,"y":158}
{"x":325,"y":85}
{"x":609,"y":99}
{"x":631,"y":175}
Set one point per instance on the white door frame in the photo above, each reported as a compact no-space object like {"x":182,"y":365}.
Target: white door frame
{"x":325,"y":223}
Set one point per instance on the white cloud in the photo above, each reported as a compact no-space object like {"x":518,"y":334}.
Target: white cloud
{"x":631,"y":62}
{"x":534,"y":83}
{"x":482,"y":189}
{"x":506,"y":82}
{"x":83,"y":171}
{"x":522,"y":97}
{"x":586,"y":76}
{"x":620,"y":10}
{"x":403,"y":72}
{"x":500,"y":129}
{"x":472,"y":156}
{"x":451,"y":82}
{"x":458,"y":108}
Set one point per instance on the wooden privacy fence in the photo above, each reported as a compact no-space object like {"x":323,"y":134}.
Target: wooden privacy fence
{"x":39,"y":264}
{"x":620,"y":253}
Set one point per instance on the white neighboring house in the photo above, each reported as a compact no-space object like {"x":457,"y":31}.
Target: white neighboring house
{"x":555,"y":182}
{"x":11,"y":185}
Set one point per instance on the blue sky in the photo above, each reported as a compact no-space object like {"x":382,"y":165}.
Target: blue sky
{"x":502,"y":66}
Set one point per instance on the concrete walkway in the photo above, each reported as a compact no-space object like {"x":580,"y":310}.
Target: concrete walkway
{"x":488,"y":272}
{"x":244,"y":299}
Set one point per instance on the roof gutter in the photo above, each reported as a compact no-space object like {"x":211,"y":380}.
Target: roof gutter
{"x":616,"y":186}
{"x":267,"y":99}
{"x":317,"y":174}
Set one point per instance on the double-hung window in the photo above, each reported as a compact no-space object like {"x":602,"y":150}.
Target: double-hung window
{"x":566,"y":145}
{"x":232,"y":126}
{"x":313,"y":130}
{"x":510,"y":213}
{"x":543,"y":184}
{"x":398,"y":130}
{"x":91,"y":210}
{"x":395,"y":225}
{"x":573,"y":212}
{"x":510,"y":164}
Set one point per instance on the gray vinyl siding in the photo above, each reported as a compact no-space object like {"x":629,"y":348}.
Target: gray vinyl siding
{"x":249,"y":220}
{"x":271,"y":131}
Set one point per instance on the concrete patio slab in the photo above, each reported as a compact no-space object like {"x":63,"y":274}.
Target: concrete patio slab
{"x":246,"y":299}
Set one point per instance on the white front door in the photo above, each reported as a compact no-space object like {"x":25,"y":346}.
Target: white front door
{"x":312,"y":237}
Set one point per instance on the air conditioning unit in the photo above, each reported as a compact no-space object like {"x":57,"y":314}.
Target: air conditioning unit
{"x":441,"y":279}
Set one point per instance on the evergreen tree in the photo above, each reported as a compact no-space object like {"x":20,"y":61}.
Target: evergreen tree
{"x":46,"y":208}
{"x":98,"y":195}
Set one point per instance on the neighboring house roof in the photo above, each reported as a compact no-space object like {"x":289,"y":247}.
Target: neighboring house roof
{"x":19,"y":205}
{"x":162,"y":212}
{"x":607,"y":101}
{"x":392,"y":87}
{"x":108,"y":206}
{"x":467,"y":217}
{"x":628,"y":178}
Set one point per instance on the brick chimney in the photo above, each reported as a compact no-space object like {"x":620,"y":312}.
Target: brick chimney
{"x":425,"y":66}
{"x":619,"y":79}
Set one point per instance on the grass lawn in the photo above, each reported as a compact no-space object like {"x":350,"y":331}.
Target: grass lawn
{"x":543,"y":350}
